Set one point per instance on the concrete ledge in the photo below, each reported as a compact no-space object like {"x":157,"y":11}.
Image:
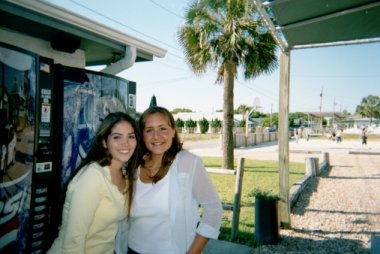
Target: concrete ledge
{"x":221,"y":171}
{"x":305,"y":151}
{"x":297,"y":188}
{"x":364,"y":152}
{"x":219,"y":247}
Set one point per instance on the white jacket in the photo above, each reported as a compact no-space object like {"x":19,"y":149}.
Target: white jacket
{"x":190,"y":188}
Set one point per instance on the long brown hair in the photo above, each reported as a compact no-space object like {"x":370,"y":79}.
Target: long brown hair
{"x":97,"y":152}
{"x":170,"y":154}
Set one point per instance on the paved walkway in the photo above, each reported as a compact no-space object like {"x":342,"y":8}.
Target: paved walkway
{"x":298,"y":151}
{"x":269,"y":151}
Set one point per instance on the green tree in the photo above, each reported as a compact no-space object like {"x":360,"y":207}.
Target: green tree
{"x":216,"y":123}
{"x":190,"y":123}
{"x":242,"y":109}
{"x":204,"y":125}
{"x":179,"y":110}
{"x":227,"y":35}
{"x":267,"y":121}
{"x":179,"y":123}
{"x":369,"y":107}
{"x":300,"y":117}
{"x":257,"y":114}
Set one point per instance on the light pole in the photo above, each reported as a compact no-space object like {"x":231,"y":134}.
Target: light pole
{"x":320,"y":112}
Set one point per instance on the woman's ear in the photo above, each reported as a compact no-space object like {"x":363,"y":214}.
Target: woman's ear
{"x":104,"y":144}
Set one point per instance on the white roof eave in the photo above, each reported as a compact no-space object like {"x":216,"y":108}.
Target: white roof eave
{"x":72,"y":18}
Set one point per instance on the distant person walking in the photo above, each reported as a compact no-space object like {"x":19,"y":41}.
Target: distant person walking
{"x":364,"y":137}
{"x":296,"y":135}
{"x":339,"y":136}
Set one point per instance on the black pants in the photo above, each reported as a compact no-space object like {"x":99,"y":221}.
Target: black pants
{"x":130,"y":251}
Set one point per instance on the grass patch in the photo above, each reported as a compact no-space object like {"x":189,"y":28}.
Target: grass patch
{"x":257,"y":174}
{"x":198,"y":136}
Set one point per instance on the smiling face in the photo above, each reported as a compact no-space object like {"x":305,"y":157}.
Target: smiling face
{"x":157,"y":133}
{"x":121,"y":143}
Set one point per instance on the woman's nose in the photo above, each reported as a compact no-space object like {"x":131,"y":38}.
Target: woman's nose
{"x":154,"y":134}
{"x":125,"y":141}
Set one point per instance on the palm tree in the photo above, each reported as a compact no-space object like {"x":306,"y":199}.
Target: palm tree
{"x":227,"y":35}
{"x":369,"y":107}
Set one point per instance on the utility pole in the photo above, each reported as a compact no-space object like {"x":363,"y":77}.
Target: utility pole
{"x":320,"y":112}
{"x":270,"y":118}
{"x":333,"y":114}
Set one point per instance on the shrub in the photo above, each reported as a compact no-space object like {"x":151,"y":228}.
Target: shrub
{"x":204,"y":125}
{"x":191,"y":123}
{"x":264,"y":194}
{"x":179,"y":123}
{"x":216,"y":123}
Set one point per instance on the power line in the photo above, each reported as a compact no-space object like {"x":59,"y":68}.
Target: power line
{"x":167,"y":81}
{"x":166,"y":9}
{"x":124,"y":25}
{"x":257,"y":91}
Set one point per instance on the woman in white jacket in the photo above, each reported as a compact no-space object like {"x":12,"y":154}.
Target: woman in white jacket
{"x":172,"y":185}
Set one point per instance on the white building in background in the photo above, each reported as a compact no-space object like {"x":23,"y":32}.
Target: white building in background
{"x":357,"y":124}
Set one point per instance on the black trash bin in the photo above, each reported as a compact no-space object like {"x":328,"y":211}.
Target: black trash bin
{"x":267,"y":225}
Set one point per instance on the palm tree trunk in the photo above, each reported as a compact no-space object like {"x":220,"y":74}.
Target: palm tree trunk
{"x":228,"y":115}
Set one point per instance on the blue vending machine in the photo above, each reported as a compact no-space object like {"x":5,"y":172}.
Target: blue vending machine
{"x":48,"y":116}
{"x":26,"y":84}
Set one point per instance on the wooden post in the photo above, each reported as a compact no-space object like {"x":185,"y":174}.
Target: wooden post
{"x":312,"y":166}
{"x":283,"y":140}
{"x":326,"y":158}
{"x":236,"y":208}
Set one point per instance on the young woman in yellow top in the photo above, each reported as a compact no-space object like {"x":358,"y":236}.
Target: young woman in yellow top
{"x":99,"y":195}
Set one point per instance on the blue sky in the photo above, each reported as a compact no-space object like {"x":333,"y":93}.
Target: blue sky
{"x":345,"y":74}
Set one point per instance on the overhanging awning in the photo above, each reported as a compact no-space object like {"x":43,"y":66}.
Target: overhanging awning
{"x":325,"y":114}
{"x":68,"y":31}
{"x":311,"y":23}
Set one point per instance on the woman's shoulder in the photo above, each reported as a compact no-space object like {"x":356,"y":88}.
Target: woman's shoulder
{"x":93,"y":169}
{"x":90,"y":175}
{"x":187,"y":155}
{"x":187,"y":161}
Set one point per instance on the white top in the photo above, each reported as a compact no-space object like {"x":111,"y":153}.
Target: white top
{"x":92,"y":211}
{"x":189,"y":187}
{"x":150,"y":218}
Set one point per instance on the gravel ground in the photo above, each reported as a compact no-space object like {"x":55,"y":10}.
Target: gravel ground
{"x":338,"y":212}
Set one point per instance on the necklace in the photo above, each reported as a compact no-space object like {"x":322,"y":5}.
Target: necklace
{"x":150,"y":171}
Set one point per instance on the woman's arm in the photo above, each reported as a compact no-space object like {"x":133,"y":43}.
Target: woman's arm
{"x":198,"y":245}
{"x":207,"y":196}
{"x":83,"y":200}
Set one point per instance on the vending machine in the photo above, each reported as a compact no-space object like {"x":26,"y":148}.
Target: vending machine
{"x":48,"y":116}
